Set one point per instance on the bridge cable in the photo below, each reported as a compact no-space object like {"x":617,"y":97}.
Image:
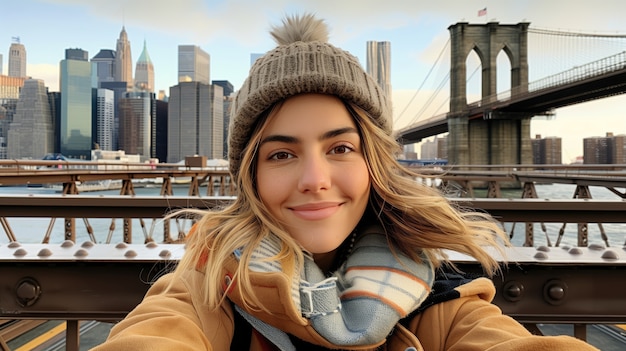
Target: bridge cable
{"x":437,"y":91}
{"x":447,"y":100}
{"x":443,"y":83}
{"x":556,"y":49}
{"x":423,"y":82}
{"x":573,"y":34}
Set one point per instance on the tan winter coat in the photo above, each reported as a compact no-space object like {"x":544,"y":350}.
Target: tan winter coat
{"x":177,"y":319}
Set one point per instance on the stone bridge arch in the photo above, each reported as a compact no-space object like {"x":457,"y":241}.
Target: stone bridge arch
{"x":506,"y":138}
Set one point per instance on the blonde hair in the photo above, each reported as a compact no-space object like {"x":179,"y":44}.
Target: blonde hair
{"x":417,"y":219}
{"x":241,"y":225}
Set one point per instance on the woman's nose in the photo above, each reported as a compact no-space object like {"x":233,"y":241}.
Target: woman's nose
{"x":314,"y":174}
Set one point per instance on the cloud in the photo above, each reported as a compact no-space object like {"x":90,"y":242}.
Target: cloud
{"x":193,"y":20}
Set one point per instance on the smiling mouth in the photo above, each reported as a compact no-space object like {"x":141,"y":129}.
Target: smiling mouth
{"x":315,"y":212}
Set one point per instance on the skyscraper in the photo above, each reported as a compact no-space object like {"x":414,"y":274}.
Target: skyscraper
{"x":104,"y":65}
{"x":9,"y":94}
{"x":76,"y":105}
{"x":228,"y":90}
{"x":123,"y":60}
{"x":137,"y":116}
{"x":226,"y":85}
{"x":194,"y":64}
{"x":10,"y":87}
{"x":31,"y":132}
{"x":159,"y":147}
{"x":7,"y":111}
{"x":17,"y":59}
{"x":195,"y":121}
{"x":379,"y":63}
{"x":76,"y":54}
{"x":105,"y":113}
{"x":144,"y":71}
{"x":119,"y":89}
{"x":54,"y":98}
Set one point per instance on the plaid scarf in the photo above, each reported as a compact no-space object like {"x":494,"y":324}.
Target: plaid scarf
{"x":362,"y":301}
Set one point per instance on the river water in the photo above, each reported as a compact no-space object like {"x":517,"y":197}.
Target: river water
{"x":33,"y":230}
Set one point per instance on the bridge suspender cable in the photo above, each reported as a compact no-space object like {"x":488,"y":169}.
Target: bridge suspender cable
{"x":436,"y":112}
{"x":424,"y":81}
{"x":573,"y":34}
{"x":443,"y":83}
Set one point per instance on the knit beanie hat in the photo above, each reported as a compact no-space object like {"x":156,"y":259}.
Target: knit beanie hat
{"x":303,"y":62}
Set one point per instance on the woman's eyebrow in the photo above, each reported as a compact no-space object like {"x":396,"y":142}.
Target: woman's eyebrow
{"x":336,"y":132}
{"x":293,"y":140}
{"x":279,"y":138}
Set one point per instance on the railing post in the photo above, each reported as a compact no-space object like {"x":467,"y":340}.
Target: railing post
{"x":194,"y":187}
{"x":72,"y":336}
{"x":580,"y":331}
{"x":582,"y":192}
{"x":166,"y":188}
{"x":166,"y":231}
{"x":530,"y":235}
{"x":70,"y":229}
{"x":127,"y":224}
{"x":493,"y":190}
{"x":530,"y":192}
{"x":128,"y":230}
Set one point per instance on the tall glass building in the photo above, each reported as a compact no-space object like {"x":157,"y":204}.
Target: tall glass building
{"x":194,"y":64}
{"x":196,"y":121}
{"x":137,"y":118}
{"x":379,"y":63}
{"x":105,"y":65}
{"x":105,"y":118}
{"x":76,"y":127}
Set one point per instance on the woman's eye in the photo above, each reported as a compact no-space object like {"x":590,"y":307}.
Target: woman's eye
{"x":341,"y":149}
{"x":280,"y":156}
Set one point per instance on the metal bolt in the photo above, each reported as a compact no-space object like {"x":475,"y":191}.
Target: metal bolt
{"x":555,"y":292}
{"x":513,"y":291}
{"x":27,"y":292}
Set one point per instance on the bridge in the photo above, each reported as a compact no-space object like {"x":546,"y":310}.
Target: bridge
{"x":498,"y":125}
{"x":106,"y":276}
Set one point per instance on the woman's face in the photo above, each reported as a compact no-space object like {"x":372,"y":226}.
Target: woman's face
{"x":311,"y":172}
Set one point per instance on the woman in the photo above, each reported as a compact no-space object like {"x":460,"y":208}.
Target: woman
{"x":330,"y":244}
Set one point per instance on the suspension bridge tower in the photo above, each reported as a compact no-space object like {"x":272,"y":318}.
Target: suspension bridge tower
{"x":495,"y":138}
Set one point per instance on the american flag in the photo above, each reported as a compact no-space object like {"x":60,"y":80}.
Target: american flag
{"x":482,"y":12}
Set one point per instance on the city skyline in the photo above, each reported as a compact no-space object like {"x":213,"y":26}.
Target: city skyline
{"x":417,"y":34}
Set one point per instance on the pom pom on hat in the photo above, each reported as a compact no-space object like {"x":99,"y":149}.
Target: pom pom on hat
{"x":303,"y":62}
{"x":305,"y":28}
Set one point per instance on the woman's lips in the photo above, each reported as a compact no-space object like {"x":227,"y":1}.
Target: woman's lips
{"x":317,"y":211}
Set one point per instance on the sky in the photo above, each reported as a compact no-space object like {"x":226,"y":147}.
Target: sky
{"x":230,"y":31}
